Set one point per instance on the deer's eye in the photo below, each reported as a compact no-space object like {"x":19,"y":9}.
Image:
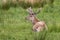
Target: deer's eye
{"x":32,"y":14}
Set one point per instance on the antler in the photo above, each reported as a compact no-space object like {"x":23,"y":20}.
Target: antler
{"x":30,"y":10}
{"x":38,"y":10}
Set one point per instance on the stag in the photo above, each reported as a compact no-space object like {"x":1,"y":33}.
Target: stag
{"x":37,"y":24}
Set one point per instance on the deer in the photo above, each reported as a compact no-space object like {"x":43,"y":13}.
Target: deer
{"x":38,"y":25}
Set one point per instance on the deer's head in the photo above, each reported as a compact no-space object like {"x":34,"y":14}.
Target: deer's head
{"x":32,"y":14}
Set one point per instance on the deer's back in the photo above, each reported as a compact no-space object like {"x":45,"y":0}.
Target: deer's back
{"x":39,"y":26}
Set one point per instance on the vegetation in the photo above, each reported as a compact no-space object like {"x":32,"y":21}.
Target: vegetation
{"x":13,"y":25}
{"x":6,"y":4}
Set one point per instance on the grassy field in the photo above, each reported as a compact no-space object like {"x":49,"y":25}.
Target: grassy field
{"x":13,"y":25}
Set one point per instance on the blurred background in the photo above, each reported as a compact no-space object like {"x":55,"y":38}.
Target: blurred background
{"x":13,"y":25}
{"x":25,"y":3}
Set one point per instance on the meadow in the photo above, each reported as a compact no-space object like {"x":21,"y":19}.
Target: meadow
{"x":13,"y":25}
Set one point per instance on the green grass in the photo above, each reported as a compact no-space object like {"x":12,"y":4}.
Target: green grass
{"x":13,"y":25}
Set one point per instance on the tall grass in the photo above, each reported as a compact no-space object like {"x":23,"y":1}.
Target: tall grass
{"x":13,"y":25}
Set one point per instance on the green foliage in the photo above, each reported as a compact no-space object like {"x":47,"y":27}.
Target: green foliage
{"x":23,"y":4}
{"x":13,"y":25}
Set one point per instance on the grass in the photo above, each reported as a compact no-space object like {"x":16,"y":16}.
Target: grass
{"x":13,"y":25}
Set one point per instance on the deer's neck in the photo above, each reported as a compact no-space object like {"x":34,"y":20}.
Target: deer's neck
{"x":35,"y":20}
